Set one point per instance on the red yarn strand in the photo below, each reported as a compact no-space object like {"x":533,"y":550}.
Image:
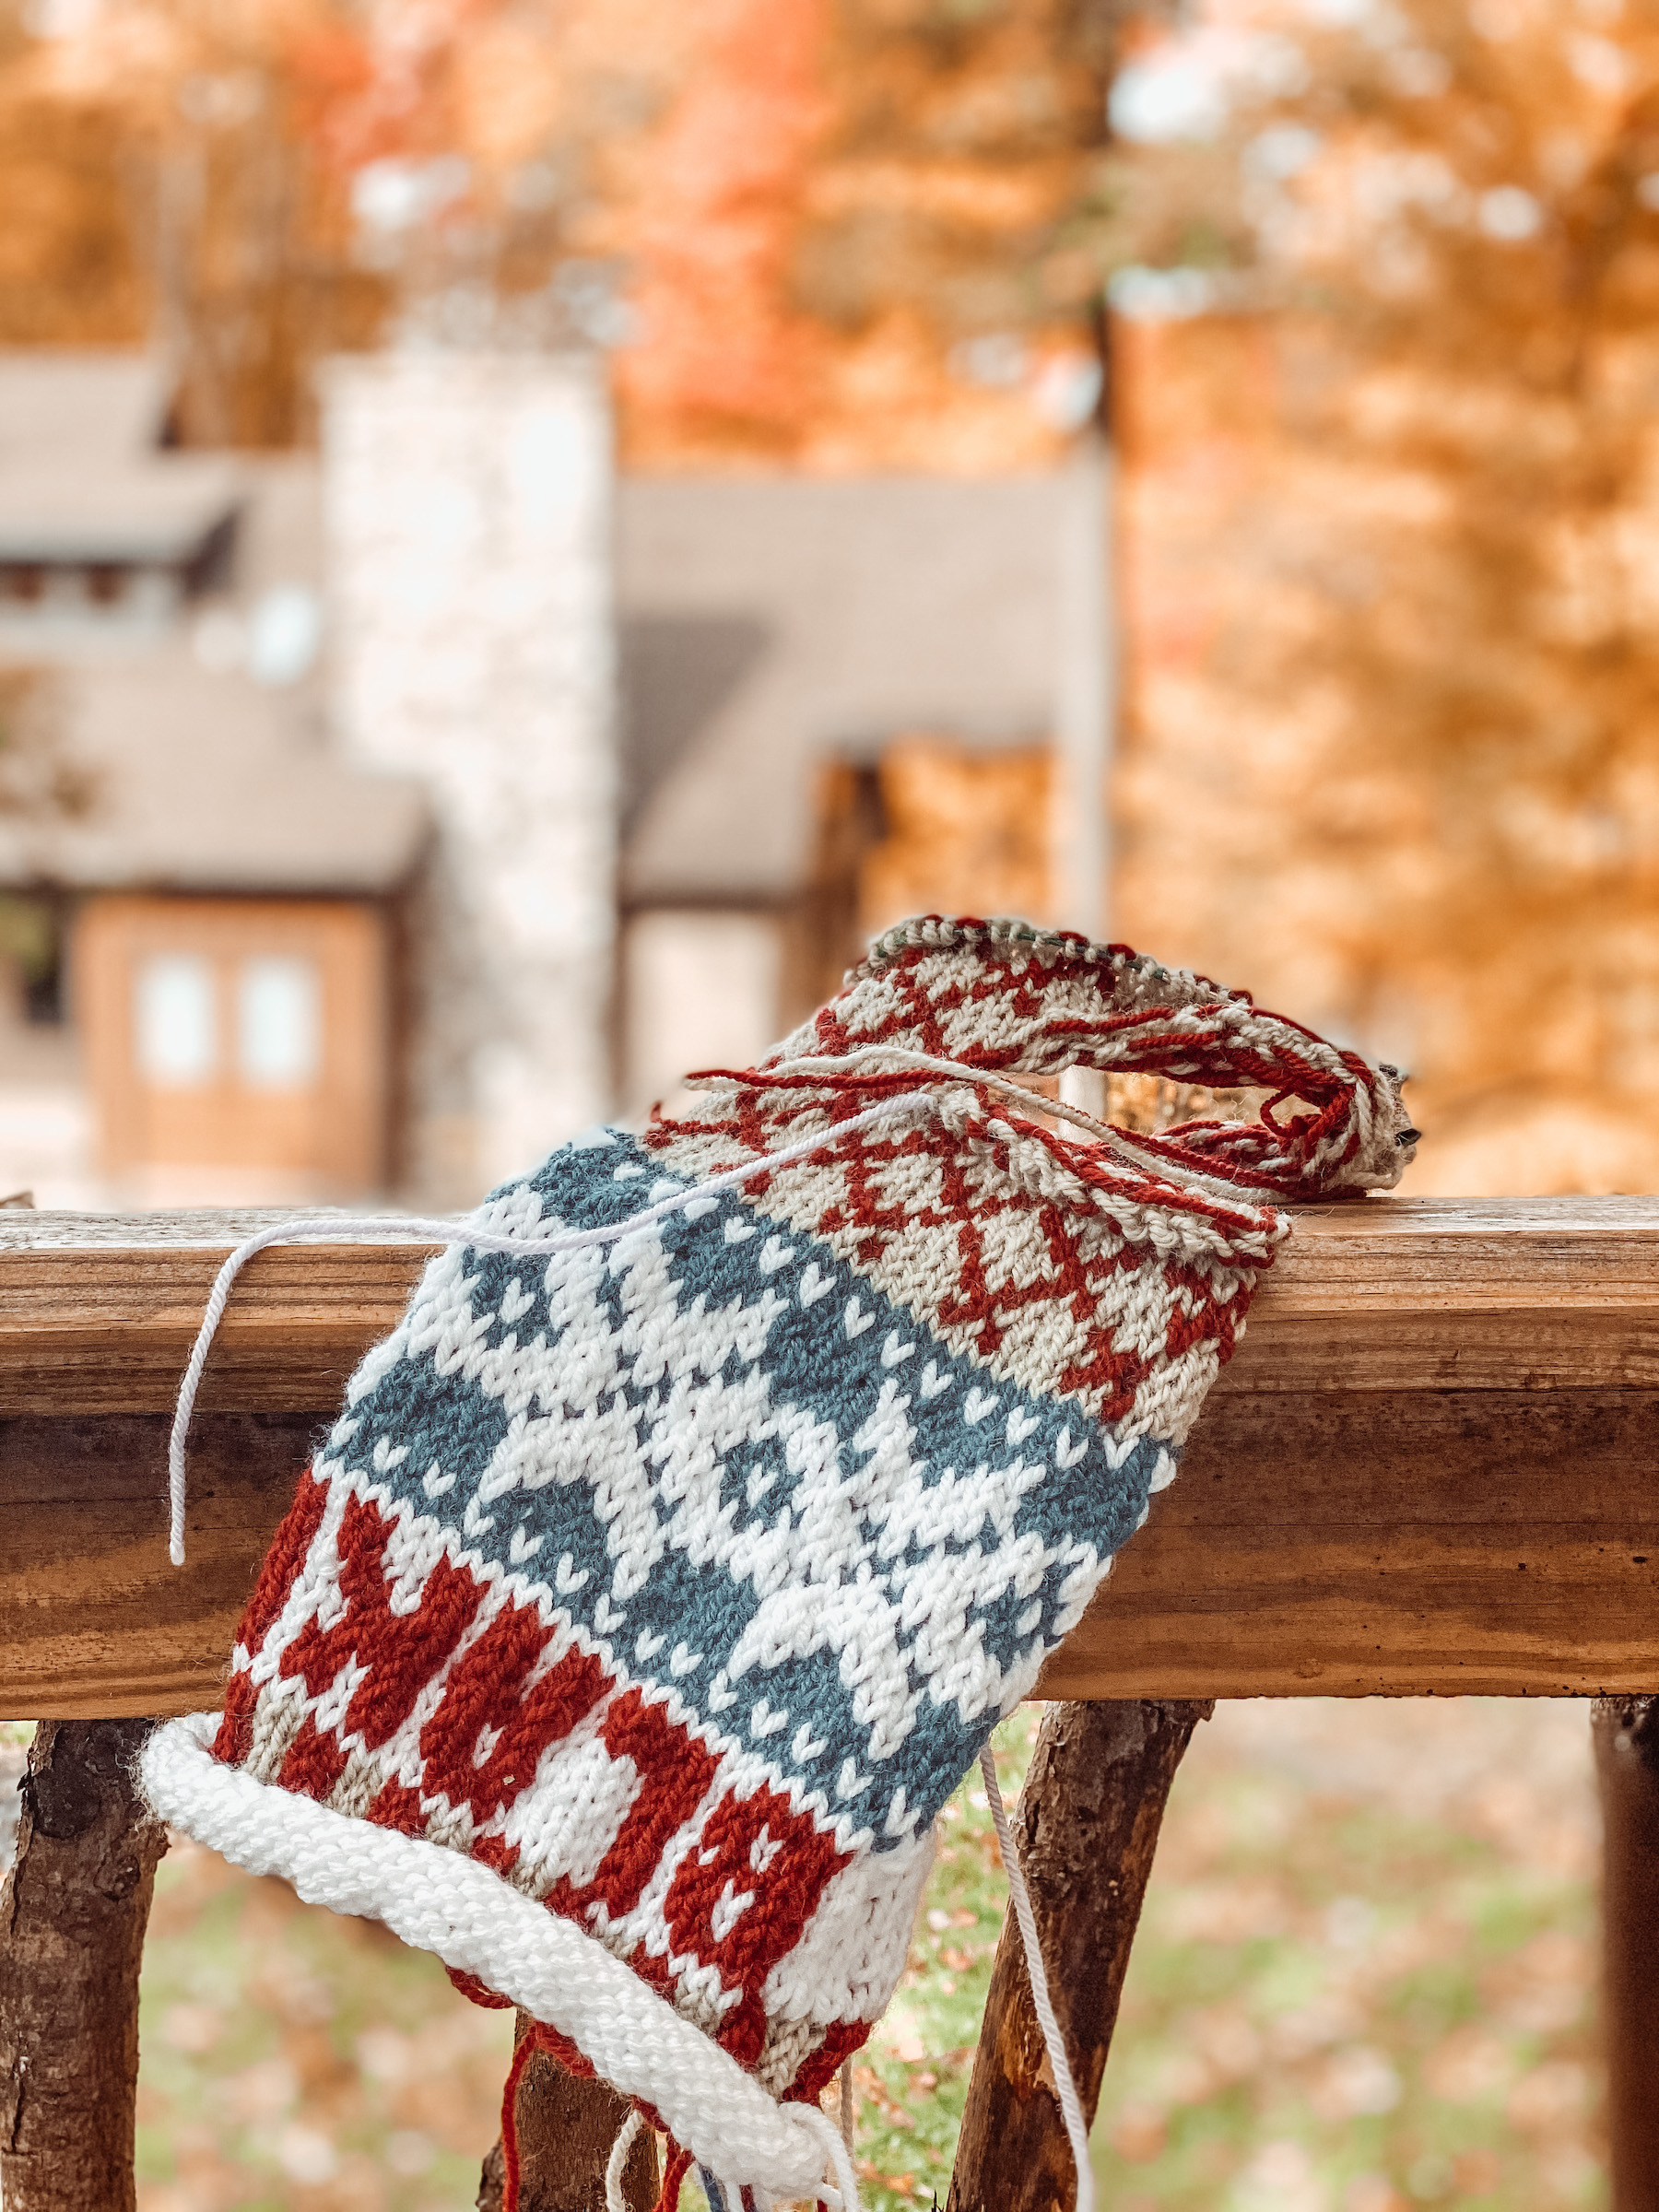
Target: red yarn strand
{"x":510,"y":2144}
{"x":678,"y":2167}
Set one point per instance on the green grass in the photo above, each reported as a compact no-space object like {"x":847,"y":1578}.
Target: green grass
{"x":912,"y":2078}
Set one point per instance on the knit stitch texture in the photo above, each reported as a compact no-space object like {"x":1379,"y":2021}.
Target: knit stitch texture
{"x":677,"y":1582}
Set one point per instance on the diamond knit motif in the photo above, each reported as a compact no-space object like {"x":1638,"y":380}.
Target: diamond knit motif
{"x":673,"y":1582}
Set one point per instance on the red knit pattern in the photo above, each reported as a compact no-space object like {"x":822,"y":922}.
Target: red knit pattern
{"x":754,"y":1847}
{"x":283,"y":1561}
{"x":675,"y":1772}
{"x":314,"y":1762}
{"x":398,"y":1806}
{"x":293,"y":1539}
{"x":488,"y":1685}
{"x":1208,"y":1043}
{"x":401,"y":1651}
{"x":985,"y":1301}
{"x":818,"y":2072}
{"x":235,"y":1738}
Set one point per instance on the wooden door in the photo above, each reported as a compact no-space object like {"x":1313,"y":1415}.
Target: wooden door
{"x":236,"y":1037}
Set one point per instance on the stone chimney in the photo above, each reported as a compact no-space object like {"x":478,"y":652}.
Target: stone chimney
{"x":468,"y":515}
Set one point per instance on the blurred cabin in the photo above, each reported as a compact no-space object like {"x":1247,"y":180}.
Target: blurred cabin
{"x":198,"y":890}
{"x":369,"y":820}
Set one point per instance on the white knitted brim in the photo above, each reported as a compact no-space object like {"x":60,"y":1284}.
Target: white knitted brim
{"x":440,"y":1901}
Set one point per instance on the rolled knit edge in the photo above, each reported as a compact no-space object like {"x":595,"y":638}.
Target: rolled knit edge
{"x":438,"y":1900}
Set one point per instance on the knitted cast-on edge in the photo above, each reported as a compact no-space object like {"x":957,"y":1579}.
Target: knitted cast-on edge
{"x":1036,"y":1001}
{"x":480,"y":1925}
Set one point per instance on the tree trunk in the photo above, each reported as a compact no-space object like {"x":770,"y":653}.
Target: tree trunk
{"x":1627,"y":1759}
{"x":566,"y":2129}
{"x":1086,"y":1825}
{"x":72,"y":1918}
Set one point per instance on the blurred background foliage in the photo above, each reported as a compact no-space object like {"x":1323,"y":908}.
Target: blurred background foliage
{"x":1399,"y":419}
{"x":1384,"y":278}
{"x":786,"y":218}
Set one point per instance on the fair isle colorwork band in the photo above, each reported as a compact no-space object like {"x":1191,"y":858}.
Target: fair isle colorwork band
{"x":474,"y":1235}
{"x":676,"y":1556}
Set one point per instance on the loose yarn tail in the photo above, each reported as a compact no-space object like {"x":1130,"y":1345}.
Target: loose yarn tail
{"x":674,"y":2173}
{"x":523,"y":2053}
{"x":615,"y":2166}
{"x":1054,"y":2043}
{"x":616,"y":2199}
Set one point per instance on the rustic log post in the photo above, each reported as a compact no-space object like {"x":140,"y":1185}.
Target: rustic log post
{"x":1087,"y":1825}
{"x":566,"y":2129}
{"x":1625,"y":1732}
{"x":72,"y":1918}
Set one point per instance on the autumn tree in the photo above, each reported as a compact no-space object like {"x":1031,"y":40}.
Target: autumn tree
{"x":254,"y":187}
{"x":837,"y":234}
{"x":1397,"y":749}
{"x":863,"y":239}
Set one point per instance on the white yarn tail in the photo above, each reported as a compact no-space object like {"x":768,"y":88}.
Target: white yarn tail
{"x":615,"y":2201}
{"x":839,"y":2159}
{"x":1054,"y":2043}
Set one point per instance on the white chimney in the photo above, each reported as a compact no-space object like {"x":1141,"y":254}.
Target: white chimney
{"x":468,"y":506}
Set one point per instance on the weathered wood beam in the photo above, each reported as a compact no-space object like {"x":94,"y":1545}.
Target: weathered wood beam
{"x":1627,"y":1758}
{"x":94,"y":1620}
{"x":1086,"y":1826}
{"x":1429,"y":1469}
{"x":1418,"y":1542}
{"x":98,"y":1312}
{"x":72,"y":1918}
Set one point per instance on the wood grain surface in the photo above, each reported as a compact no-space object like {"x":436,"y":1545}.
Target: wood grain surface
{"x":1432,"y":1467}
{"x":74,"y":1908}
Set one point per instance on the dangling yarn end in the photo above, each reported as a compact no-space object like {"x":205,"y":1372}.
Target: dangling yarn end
{"x":615,"y":2201}
{"x":678,"y":2166}
{"x":1054,"y":2043}
{"x":522,"y":2056}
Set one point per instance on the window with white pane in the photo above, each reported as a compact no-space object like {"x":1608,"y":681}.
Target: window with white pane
{"x":279,"y":1022}
{"x":175,"y":1021}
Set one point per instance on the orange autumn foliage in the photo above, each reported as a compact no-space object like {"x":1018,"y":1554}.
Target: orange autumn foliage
{"x":721,"y":346}
{"x":791,"y":216}
{"x":961,"y":833}
{"x":1393,"y":548}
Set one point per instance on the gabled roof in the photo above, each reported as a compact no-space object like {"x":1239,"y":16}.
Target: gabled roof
{"x":771,"y":623}
{"x":82,"y":477}
{"x":196,"y":778}
{"x":123,"y":516}
{"x":200,"y":782}
{"x":766,"y":624}
{"x":96,"y":408}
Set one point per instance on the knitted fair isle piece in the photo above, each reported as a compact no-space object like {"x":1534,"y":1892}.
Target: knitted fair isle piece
{"x":647,"y":1602}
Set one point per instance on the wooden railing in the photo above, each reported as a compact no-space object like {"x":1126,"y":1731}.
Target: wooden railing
{"x":1431,"y":1469}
